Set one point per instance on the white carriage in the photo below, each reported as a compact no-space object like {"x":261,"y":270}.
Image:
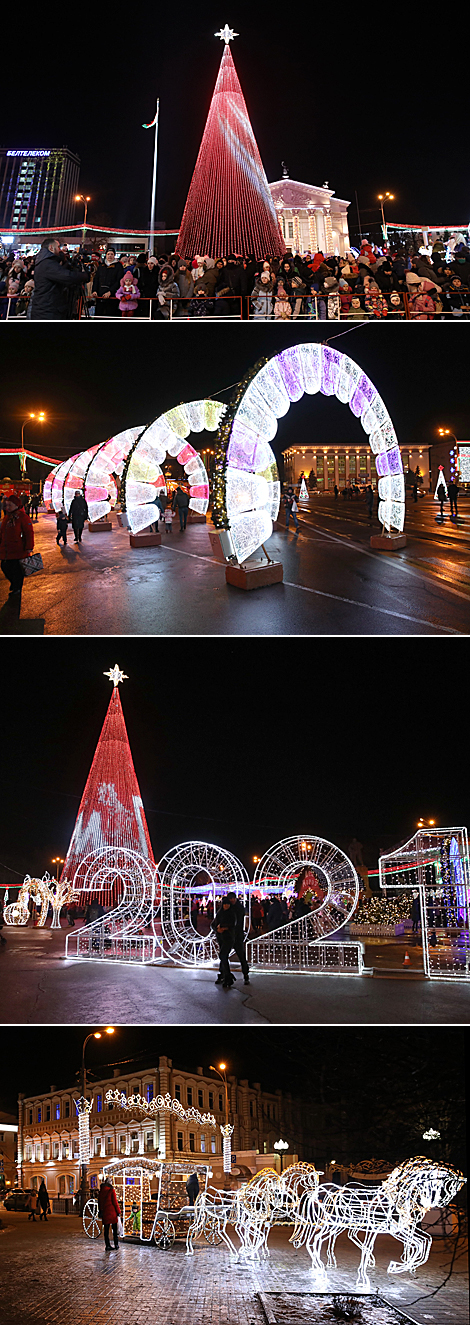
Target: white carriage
{"x":154,"y":1203}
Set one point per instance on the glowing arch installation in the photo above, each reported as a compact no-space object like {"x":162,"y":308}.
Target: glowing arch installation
{"x":246,"y":484}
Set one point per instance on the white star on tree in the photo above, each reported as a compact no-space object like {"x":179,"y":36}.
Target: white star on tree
{"x":226,"y":34}
{"x":115,"y":675}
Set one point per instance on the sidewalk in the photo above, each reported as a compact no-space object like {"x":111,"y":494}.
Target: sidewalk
{"x":72,"y":1281}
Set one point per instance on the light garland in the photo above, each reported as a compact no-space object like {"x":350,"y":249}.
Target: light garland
{"x":83,"y":1107}
{"x":122,"y":933}
{"x":176,"y":870}
{"x":329,"y":876}
{"x":45,"y":893}
{"x":435,"y":863}
{"x":396,"y":1207}
{"x":160,"y":1104}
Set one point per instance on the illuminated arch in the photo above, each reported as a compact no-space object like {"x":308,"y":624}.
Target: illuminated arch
{"x":246,"y":487}
{"x":334,"y":877}
{"x":179,"y":872}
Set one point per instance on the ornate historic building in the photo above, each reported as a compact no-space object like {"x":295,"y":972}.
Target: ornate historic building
{"x":310,"y":217}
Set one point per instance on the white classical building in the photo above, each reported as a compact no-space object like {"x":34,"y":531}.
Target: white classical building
{"x":311,"y":218}
{"x":347,"y":464}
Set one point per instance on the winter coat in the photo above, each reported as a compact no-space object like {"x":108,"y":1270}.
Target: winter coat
{"x":228,"y":920}
{"x":262,"y":296}
{"x":78,"y":512}
{"x":16,"y":535}
{"x":128,"y":296}
{"x":185,"y":281}
{"x":43,"y":1197}
{"x":148,"y":282}
{"x":108,"y":1204}
{"x":180,"y":498}
{"x":52,"y":281}
{"x":167,"y":290}
{"x":107,"y":278}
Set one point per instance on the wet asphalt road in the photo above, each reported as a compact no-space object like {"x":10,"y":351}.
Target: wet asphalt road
{"x":334,"y":584}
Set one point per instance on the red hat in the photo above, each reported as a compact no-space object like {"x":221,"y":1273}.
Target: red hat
{"x":13,"y":496}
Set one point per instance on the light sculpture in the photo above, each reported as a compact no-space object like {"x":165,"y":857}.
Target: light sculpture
{"x":17,"y":913}
{"x":128,"y":932}
{"x":435,"y":863}
{"x":83,"y":1107}
{"x":189,"y":866}
{"x":151,"y":1216}
{"x":227,"y":1133}
{"x":330,"y":878}
{"x":229,"y":208}
{"x":160,"y":1104}
{"x":397,"y":1206}
{"x":244,"y":452}
{"x":266,"y":1199}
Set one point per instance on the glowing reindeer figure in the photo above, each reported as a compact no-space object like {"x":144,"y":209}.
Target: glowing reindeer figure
{"x":395,"y":1207}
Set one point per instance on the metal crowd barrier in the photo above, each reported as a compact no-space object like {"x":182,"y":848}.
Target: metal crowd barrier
{"x":177,"y":309}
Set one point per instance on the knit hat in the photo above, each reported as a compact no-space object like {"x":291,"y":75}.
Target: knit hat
{"x":13,"y":497}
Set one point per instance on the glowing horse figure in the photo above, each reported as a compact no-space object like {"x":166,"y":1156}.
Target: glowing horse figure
{"x":213,"y":1210}
{"x":395,"y":1207}
{"x":265,"y":1200}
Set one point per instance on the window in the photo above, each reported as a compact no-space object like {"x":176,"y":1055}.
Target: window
{"x":177,"y":1094}
{"x":122,"y":1145}
{"x":342,"y":470}
{"x":70,"y":1184}
{"x":94,"y":1180}
{"x":200,"y":1099}
{"x":212,"y":1145}
{"x":203,"y":1143}
{"x":134,"y":1143}
{"x":149,"y":1141}
{"x":320,"y":474}
{"x":135,"y":1088}
{"x":221,"y":1104}
{"x":180,"y":1140}
{"x":109,"y":1145}
{"x":290,"y":229}
{"x":39,"y":1114}
{"x":66,"y":1150}
{"x":30,"y":1115}
{"x":57,"y":1111}
{"x":28,"y":1151}
{"x":149,"y":1092}
{"x":189,"y":1095}
{"x":55,"y":1150}
{"x":67,"y":1109}
{"x":363,"y":465}
{"x":48,"y":1113}
{"x":46,"y":1151}
{"x":34,"y":1183}
{"x":331,"y":470}
{"x":37,"y":1150}
{"x":211,"y":1099}
{"x":352,"y":465}
{"x":62,"y":1185}
{"x":99,"y":1103}
{"x":191,"y":1141}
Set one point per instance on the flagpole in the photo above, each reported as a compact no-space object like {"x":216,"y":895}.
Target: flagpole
{"x":154,"y":124}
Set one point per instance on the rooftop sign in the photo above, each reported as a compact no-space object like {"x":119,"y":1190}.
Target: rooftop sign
{"x":42,"y":151}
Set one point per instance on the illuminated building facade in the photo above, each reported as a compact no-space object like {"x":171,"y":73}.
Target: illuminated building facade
{"x":345,"y":465}
{"x":37,"y":187}
{"x":48,"y":1126}
{"x":311,"y":219}
{"x":8,"y":1135}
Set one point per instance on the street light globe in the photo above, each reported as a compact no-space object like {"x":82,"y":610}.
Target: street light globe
{"x":222,"y":1066}
{"x":110,"y":1030}
{"x":97,"y":1035}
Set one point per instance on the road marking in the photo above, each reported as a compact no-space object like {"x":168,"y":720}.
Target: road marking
{"x":416,"y":574}
{"x":369,"y":607}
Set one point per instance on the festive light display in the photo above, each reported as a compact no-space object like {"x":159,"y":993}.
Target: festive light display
{"x":303,"y":494}
{"x":37,"y":890}
{"x":435,"y":863}
{"x":315,"y":869}
{"x":243,"y":449}
{"x":160,"y":1104}
{"x":111,"y":812}
{"x":229,"y":208}
{"x":267,"y":1199}
{"x":395,"y":1207}
{"x":441,"y":493}
{"x":83,"y":1108}
{"x":227,"y":1133}
{"x":152,"y":1216}
{"x":129,"y":932}
{"x":183,"y":868}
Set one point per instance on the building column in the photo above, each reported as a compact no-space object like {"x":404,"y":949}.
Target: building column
{"x":320,"y":229}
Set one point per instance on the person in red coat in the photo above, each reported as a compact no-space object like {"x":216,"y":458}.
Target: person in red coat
{"x":110,"y":1212}
{"x":16,"y":541}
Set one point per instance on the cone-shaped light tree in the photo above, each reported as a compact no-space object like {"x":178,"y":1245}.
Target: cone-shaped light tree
{"x":111,"y":812}
{"x":229,"y":208}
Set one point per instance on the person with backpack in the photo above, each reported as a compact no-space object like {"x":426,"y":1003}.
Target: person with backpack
{"x":291,"y":508}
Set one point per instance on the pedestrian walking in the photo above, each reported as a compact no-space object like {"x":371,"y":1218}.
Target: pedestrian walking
{"x":369,"y":500}
{"x":35,"y":504}
{"x":441,"y":494}
{"x":62,"y":522}
{"x":239,"y":938}
{"x":291,"y":508}
{"x":453,"y":490}
{"x":168,"y":519}
{"x":43,"y":1202}
{"x":224,"y":926}
{"x":78,"y":513}
{"x":110,"y":1212}
{"x":180,"y":503}
{"x":192,"y":1188}
{"x":16,"y":541}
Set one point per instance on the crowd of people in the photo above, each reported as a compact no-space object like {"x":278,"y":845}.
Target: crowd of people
{"x":58,"y":283}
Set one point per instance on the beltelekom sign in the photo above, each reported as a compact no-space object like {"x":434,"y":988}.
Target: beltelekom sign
{"x":41,"y":151}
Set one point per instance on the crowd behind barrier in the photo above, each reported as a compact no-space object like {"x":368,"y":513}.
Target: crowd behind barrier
{"x":58,"y":284}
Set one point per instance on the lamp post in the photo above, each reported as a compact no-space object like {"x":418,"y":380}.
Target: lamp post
{"x":227,"y":1128}
{"x":153,"y":125}
{"x":446,"y":432}
{"x":57,"y":860}
{"x":83,"y":1109}
{"x":80,"y":197}
{"x":40,"y":418}
{"x":281,"y":1146}
{"x":382,"y":197}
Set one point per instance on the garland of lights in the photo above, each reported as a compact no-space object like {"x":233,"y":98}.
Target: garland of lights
{"x":45,"y":893}
{"x":435,"y":864}
{"x":160,"y":1104}
{"x":396,"y":1207}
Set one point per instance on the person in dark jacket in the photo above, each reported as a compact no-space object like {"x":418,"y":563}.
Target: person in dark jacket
{"x":62,"y":522}
{"x":44,"y":1202}
{"x":224,"y":925}
{"x":52,"y":283}
{"x":16,"y":541}
{"x":110,"y":1212}
{"x":239,"y":939}
{"x":192,"y":1188}
{"x":78,"y":513}
{"x":180,"y":503}
{"x":106,"y":281}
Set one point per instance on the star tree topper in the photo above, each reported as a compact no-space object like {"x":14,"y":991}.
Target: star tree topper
{"x":115,"y":675}
{"x":226,"y":34}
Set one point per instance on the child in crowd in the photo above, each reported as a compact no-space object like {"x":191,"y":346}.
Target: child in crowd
{"x":128,"y":294}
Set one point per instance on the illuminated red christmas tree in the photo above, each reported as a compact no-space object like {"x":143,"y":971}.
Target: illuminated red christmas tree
{"x":229,"y":208}
{"x":111,"y":812}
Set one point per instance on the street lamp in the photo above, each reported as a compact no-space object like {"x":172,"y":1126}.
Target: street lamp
{"x":431,"y":1134}
{"x":426,"y":823}
{"x":80,"y":197}
{"x":227,"y":1128}
{"x":40,"y":418}
{"x":57,"y":860}
{"x":83,"y":1109}
{"x":382,"y":198}
{"x":281,"y":1145}
{"x":446,"y":432}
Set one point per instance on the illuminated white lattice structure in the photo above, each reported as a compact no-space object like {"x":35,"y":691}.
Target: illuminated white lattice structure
{"x":435,"y":864}
{"x":38,"y":890}
{"x":152,"y":1197}
{"x":184,"y":871}
{"x":83,"y":1107}
{"x":247,"y":489}
{"x":128,"y":932}
{"x":397,"y":1206}
{"x":161,"y":1104}
{"x":227,"y":1133}
{"x":268,"y":1198}
{"x":134,"y":458}
{"x":331,"y":885}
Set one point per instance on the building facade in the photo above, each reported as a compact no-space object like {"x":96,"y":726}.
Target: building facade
{"x":311,"y":218}
{"x":8,"y":1135}
{"x":345,"y":465}
{"x":37,"y":187}
{"x":48,"y":1126}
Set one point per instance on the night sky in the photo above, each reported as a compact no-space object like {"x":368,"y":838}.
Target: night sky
{"x":357,"y":98}
{"x":234,"y":744}
{"x":94,"y":381}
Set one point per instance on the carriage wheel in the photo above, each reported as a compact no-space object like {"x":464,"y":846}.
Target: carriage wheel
{"x":212,"y":1233}
{"x":92,"y":1223}
{"x":164,"y":1234}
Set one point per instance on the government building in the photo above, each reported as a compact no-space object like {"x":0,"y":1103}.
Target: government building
{"x":311,"y":218}
{"x":348,"y":465}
